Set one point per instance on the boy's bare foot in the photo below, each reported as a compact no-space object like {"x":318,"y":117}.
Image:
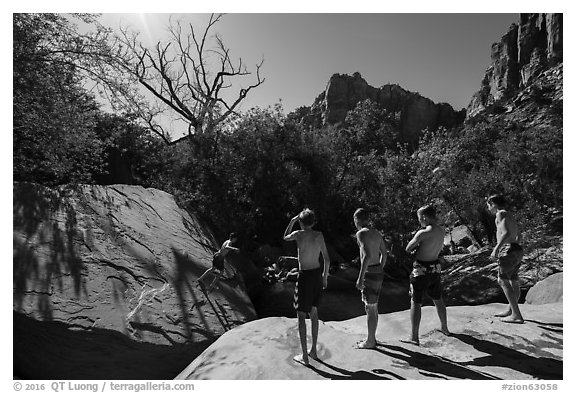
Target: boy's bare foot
{"x":313,"y":355}
{"x":502,"y":314}
{"x":445,"y":332}
{"x":410,"y":341}
{"x":300,"y":359}
{"x":366,"y":345}
{"x":518,"y":320}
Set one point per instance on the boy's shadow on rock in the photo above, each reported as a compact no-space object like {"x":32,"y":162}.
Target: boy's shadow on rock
{"x":501,"y":356}
{"x":351,"y":375}
{"x":439,"y":367}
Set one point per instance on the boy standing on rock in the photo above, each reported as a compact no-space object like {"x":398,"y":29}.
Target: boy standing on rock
{"x":508,"y":252}
{"x":425,"y":276}
{"x":311,"y":277}
{"x":373,"y":254}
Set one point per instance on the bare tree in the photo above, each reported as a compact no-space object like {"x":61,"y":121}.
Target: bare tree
{"x":186,"y":75}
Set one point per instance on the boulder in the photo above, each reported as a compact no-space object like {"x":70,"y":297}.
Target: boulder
{"x":104,"y":284}
{"x":481,"y":347}
{"x":549,"y":290}
{"x":460,"y":235}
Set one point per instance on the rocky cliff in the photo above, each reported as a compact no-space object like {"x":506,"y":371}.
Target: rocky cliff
{"x":529,"y":48}
{"x":104,"y":284}
{"x":413,"y":112}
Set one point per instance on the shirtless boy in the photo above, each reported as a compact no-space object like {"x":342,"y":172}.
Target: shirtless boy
{"x":311,"y":277}
{"x":508,"y":253}
{"x":218,"y":263}
{"x":373,"y":254}
{"x":425,"y":277}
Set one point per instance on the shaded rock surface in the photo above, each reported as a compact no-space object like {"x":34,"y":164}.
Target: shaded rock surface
{"x":473,"y":278}
{"x":549,"y":290}
{"x":104,"y":284}
{"x":481,"y":348}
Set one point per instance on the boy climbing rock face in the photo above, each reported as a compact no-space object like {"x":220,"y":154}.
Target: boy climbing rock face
{"x":218,"y":259}
{"x":312,"y":278}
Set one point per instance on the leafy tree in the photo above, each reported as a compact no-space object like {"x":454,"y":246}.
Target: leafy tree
{"x":54,"y":117}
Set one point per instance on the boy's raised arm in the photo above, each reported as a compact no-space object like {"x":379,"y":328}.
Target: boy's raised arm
{"x":288,"y":234}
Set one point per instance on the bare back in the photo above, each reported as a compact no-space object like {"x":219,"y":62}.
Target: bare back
{"x":506,"y":228}
{"x":310,"y":243}
{"x":373,"y":249}
{"x":428,"y":243}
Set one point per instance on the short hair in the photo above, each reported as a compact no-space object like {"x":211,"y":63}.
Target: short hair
{"x":307,"y":217}
{"x":233,"y":235}
{"x":497,"y":200}
{"x":428,"y":211}
{"x":362,"y":214}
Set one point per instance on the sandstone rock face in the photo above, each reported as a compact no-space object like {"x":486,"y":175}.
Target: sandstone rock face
{"x":529,"y":48}
{"x":414,"y":112}
{"x":480,"y":348}
{"x":104,"y":284}
{"x":549,"y":290}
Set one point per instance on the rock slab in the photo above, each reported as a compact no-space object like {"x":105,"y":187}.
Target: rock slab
{"x":480,"y":348}
{"x":104,"y":284}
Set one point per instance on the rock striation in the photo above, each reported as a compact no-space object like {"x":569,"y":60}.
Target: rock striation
{"x":529,"y":48}
{"x":481,"y":348}
{"x":104,"y":284}
{"x":413,"y":111}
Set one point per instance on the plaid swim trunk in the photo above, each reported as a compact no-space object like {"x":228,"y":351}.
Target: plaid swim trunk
{"x":509,"y":259}
{"x":372,"y":284}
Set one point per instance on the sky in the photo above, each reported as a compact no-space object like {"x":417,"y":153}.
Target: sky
{"x":441,"y":56}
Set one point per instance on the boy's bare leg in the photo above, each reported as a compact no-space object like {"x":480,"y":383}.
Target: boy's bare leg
{"x":512,"y":297}
{"x":203,"y":276}
{"x":415,"y":316}
{"x":441,"y":310}
{"x":214,"y":282}
{"x":517,"y":292}
{"x":372,"y":322}
{"x":303,"y":358}
{"x":315,"y":323}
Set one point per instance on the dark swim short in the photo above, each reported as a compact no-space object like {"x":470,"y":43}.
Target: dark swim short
{"x":372,"y":284}
{"x":425,"y":278}
{"x":308,"y":289}
{"x":509,"y":259}
{"x":218,"y":262}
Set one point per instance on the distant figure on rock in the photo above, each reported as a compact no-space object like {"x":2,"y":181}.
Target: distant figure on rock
{"x":425,"y":276}
{"x":373,"y":254}
{"x":508,"y":252}
{"x":312,"y":278}
{"x":218,"y":259}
